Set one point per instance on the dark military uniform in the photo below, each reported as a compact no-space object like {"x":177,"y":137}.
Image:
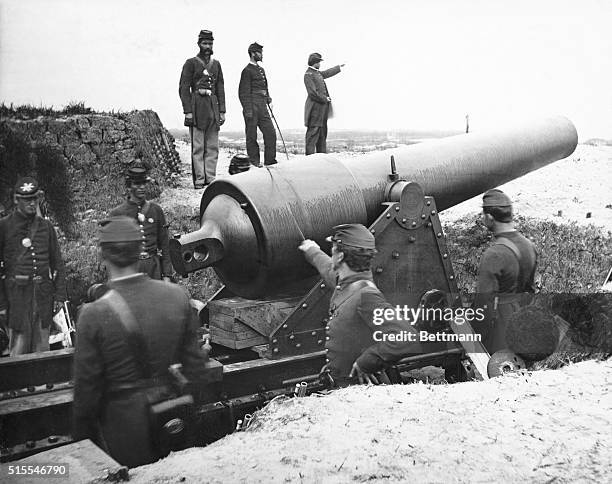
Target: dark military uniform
{"x":33,"y":277}
{"x":255,"y":97}
{"x":505,"y":276}
{"x":110,"y":394}
{"x":506,"y":273}
{"x":318,"y":107}
{"x":350,"y":331}
{"x":155,"y":255}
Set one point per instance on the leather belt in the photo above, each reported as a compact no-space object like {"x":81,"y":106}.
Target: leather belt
{"x":145,"y":255}
{"x":142,"y":384}
{"x":260,"y":92}
{"x":28,"y":278}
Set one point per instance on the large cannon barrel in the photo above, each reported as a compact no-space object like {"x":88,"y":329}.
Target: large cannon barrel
{"x":252,"y":223}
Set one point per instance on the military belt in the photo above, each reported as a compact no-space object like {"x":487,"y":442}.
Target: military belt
{"x":28,"y":278}
{"x":142,"y":384}
{"x":260,"y":92}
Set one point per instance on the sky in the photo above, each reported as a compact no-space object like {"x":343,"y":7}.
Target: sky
{"x":409,"y":64}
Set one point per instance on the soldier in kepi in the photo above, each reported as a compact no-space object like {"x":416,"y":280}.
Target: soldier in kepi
{"x":154,"y":257}
{"x":127,"y":340}
{"x":202,"y":93}
{"x":255,"y":98}
{"x":32,"y":283}
{"x":506,"y":272}
{"x":352,"y":352}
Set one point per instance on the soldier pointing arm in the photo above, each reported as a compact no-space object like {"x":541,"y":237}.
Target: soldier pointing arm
{"x":318,"y":104}
{"x":352,"y":351}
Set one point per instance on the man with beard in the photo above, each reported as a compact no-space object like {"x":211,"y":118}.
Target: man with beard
{"x":32,"y":283}
{"x":318,"y":104}
{"x":255,"y":98}
{"x":202,"y":93}
{"x":154,"y":257}
{"x":506,"y":272}
{"x":353,"y":352}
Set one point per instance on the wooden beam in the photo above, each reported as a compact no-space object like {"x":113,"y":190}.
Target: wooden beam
{"x":34,"y":369}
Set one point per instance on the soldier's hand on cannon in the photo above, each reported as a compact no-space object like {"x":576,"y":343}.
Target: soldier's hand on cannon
{"x":188,"y":119}
{"x":308,"y":244}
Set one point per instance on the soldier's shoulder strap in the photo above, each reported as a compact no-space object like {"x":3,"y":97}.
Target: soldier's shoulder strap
{"x":362,"y":284}
{"x":510,"y":245}
{"x":208,"y":66}
{"x":119,"y":306}
{"x":355,"y":289}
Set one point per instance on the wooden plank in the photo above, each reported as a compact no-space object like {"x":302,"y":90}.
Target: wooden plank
{"x":35,"y":402}
{"x":231,"y":326}
{"x":235,"y":335}
{"x":263,"y":316}
{"x":85,"y":462}
{"x":35,"y":369}
{"x":229,"y":341}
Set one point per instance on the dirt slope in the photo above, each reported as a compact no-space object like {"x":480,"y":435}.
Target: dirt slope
{"x":543,"y":426}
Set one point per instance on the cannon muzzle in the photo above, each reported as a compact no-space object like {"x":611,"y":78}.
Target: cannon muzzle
{"x":252,"y":223}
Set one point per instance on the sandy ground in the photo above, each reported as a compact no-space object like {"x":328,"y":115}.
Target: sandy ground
{"x":545,"y":426}
{"x":572,"y":187}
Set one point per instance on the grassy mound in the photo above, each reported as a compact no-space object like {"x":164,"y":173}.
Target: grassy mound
{"x":571,"y":258}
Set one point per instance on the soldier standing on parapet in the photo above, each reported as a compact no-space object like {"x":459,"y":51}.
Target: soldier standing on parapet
{"x":506,"y":271}
{"x":32,"y":276}
{"x":202,"y":93}
{"x":318,"y":106}
{"x":154,"y":257}
{"x":255,"y":97}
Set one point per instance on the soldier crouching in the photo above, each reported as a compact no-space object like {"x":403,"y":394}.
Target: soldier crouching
{"x":353,"y":352}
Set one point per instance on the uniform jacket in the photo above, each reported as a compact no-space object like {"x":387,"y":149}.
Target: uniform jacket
{"x":500,"y":270}
{"x":103,"y":361}
{"x":204,"y":108}
{"x":41,"y":262}
{"x":350,"y":331}
{"x":253,"y":88}
{"x":502,"y":278}
{"x":317,"y":108}
{"x":153,"y":227}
